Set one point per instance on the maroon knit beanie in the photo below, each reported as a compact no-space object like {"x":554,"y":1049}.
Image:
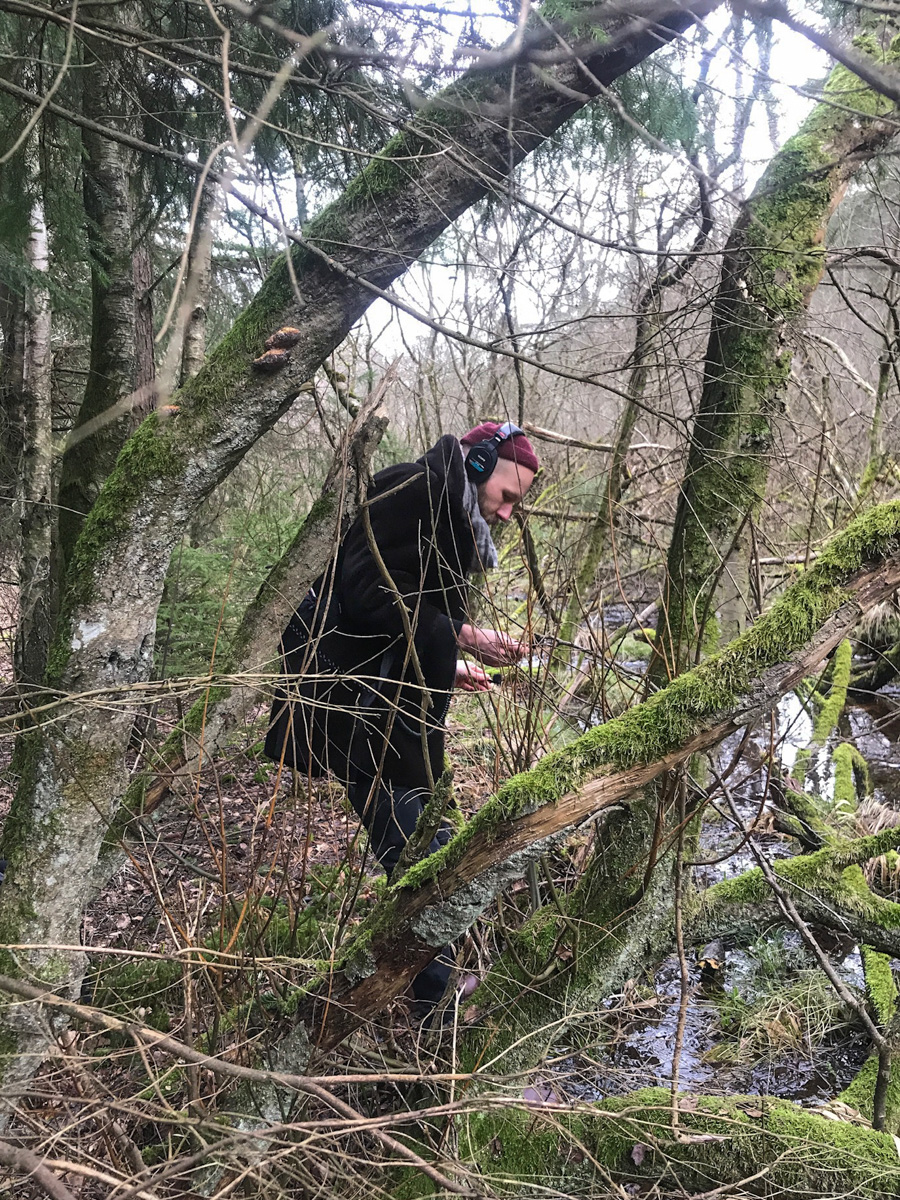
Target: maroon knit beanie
{"x":517,"y":448}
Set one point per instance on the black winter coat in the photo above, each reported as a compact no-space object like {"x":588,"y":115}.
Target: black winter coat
{"x":350,"y":701}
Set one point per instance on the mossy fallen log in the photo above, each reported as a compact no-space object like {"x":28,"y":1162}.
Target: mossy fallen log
{"x":440,"y":897}
{"x":827,"y":887}
{"x":752,"y":1144}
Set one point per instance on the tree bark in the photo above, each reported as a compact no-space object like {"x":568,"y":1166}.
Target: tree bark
{"x":35,"y":487}
{"x":197,"y":285}
{"x":117,"y":392}
{"x":773,"y":261}
{"x":12,"y":366}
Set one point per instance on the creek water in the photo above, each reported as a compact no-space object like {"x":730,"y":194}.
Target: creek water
{"x":813,"y":1065}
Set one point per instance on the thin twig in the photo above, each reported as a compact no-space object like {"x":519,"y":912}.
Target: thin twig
{"x":23,"y":1160}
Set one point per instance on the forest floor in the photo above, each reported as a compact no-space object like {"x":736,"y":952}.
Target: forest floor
{"x":241,"y":844}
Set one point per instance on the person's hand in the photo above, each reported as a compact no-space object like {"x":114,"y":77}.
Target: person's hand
{"x":492,"y":648}
{"x":471,"y":678}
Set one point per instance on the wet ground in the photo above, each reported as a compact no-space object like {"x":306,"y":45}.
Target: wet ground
{"x":718,"y":1054}
{"x":642,"y":1054}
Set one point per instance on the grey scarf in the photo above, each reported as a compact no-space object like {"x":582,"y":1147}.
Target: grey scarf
{"x":481,"y":531}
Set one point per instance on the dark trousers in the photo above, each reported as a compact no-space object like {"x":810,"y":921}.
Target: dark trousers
{"x":390,"y":809}
{"x":390,"y":817}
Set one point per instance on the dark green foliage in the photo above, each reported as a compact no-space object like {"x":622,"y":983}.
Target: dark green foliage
{"x":209,"y":585}
{"x":656,"y":100}
{"x":150,"y":989}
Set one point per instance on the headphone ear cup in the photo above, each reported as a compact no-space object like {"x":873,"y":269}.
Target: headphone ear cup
{"x":481,"y":460}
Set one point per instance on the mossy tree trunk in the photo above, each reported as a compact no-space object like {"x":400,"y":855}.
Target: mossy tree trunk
{"x":119,"y":373}
{"x":73,"y":769}
{"x":437,"y":900}
{"x":772,"y":264}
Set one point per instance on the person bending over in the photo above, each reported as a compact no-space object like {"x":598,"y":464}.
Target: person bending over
{"x":371,"y":656}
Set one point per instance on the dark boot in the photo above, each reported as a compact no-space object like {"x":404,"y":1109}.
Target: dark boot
{"x":390,"y":816}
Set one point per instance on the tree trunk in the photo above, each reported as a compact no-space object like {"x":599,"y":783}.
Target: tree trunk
{"x":35,"y":498}
{"x":12,"y":366}
{"x":197,"y":285}
{"x":120,"y":373}
{"x":74,"y":771}
{"x":773,"y":262}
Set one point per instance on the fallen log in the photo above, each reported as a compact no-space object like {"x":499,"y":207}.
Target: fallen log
{"x":735,"y":1146}
{"x":439,"y":898}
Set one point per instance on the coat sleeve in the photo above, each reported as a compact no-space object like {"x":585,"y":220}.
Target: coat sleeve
{"x":409,"y":526}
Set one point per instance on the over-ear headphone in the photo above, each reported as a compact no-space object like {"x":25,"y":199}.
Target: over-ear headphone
{"x":482,"y":457}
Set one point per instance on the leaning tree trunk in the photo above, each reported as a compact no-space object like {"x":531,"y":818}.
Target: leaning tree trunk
{"x":773,"y":261}
{"x":73,"y":772}
{"x":438,"y":899}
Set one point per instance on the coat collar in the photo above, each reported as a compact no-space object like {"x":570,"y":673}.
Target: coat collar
{"x":445,"y":459}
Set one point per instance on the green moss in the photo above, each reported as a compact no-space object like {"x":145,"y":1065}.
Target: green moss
{"x":632,"y":650}
{"x":851,"y":776}
{"x":358,"y":962}
{"x":809,"y":810}
{"x":880,"y":984}
{"x":882,"y":993}
{"x":151,"y":984}
{"x":830,"y":711}
{"x":832,"y":872}
{"x":720,"y":1141}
